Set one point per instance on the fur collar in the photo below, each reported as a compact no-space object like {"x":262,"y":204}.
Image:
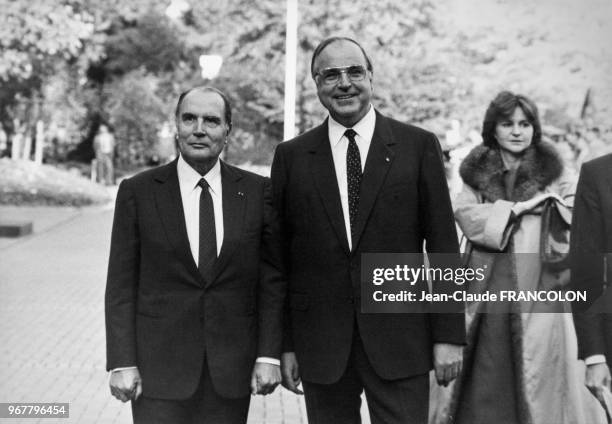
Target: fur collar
{"x":483,"y":170}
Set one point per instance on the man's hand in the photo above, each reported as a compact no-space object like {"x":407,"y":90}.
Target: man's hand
{"x":291,"y":372}
{"x":448,"y":359}
{"x":126,"y":384}
{"x":265,"y":378}
{"x":597,"y":377}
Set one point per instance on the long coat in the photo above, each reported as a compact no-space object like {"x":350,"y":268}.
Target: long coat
{"x":548,"y":377}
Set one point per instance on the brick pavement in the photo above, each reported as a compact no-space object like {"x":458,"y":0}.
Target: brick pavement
{"x":52,"y":341}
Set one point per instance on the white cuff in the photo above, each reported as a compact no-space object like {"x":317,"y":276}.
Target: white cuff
{"x":266,"y":360}
{"x":123,"y":368}
{"x":595,"y":359}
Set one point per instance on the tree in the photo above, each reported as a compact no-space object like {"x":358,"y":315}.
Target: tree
{"x":57,"y":56}
{"x":36,"y":37}
{"x":410,"y":82}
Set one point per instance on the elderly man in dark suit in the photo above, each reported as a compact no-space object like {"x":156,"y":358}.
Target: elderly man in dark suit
{"x":194,"y":295}
{"x":591,"y":244}
{"x":360,"y":182}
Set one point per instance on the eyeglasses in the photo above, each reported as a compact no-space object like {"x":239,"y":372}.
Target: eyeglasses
{"x":331,"y":76}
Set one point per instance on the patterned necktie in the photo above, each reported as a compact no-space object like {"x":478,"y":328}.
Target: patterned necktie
{"x":353,"y":174}
{"x":208,"y":236}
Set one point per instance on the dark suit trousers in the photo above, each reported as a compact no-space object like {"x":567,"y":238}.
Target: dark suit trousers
{"x":404,"y":401}
{"x":205,"y":406}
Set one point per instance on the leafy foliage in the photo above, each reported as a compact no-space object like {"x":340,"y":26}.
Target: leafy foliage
{"x":392,"y":32}
{"x":76,"y":63}
{"x":35,"y":33}
{"x":133,"y":110}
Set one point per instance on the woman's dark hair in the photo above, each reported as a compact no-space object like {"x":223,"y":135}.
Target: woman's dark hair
{"x":502,"y":107}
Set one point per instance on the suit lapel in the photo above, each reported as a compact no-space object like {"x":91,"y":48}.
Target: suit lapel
{"x":379,"y":160}
{"x":326,"y":183}
{"x":170,"y":208}
{"x":234,"y":201}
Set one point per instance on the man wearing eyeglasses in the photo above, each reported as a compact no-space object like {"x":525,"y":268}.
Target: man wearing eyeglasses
{"x":194,"y":294}
{"x":360,"y":182}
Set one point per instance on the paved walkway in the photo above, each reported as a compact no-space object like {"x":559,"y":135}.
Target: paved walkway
{"x":52,"y":342}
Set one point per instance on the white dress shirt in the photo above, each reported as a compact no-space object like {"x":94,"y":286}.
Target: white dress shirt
{"x":339,"y":146}
{"x":190,"y":196}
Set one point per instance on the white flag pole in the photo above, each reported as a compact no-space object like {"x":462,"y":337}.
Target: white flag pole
{"x":290,"y":68}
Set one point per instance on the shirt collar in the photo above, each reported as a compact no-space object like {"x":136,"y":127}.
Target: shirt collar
{"x":189,"y":177}
{"x":364,"y":128}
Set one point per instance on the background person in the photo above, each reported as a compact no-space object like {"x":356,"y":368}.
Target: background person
{"x":519,"y":367}
{"x":104,"y":148}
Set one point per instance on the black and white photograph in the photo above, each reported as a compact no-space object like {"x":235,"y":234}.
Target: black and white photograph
{"x":306,"y":212}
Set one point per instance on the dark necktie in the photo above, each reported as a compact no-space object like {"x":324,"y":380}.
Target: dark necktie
{"x":208,"y":236}
{"x":353,"y":174}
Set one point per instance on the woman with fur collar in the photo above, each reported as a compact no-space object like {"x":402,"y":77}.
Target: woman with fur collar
{"x":519,"y":368}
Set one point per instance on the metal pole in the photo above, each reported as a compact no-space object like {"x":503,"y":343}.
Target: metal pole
{"x":290,"y":68}
{"x":40,"y":142}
